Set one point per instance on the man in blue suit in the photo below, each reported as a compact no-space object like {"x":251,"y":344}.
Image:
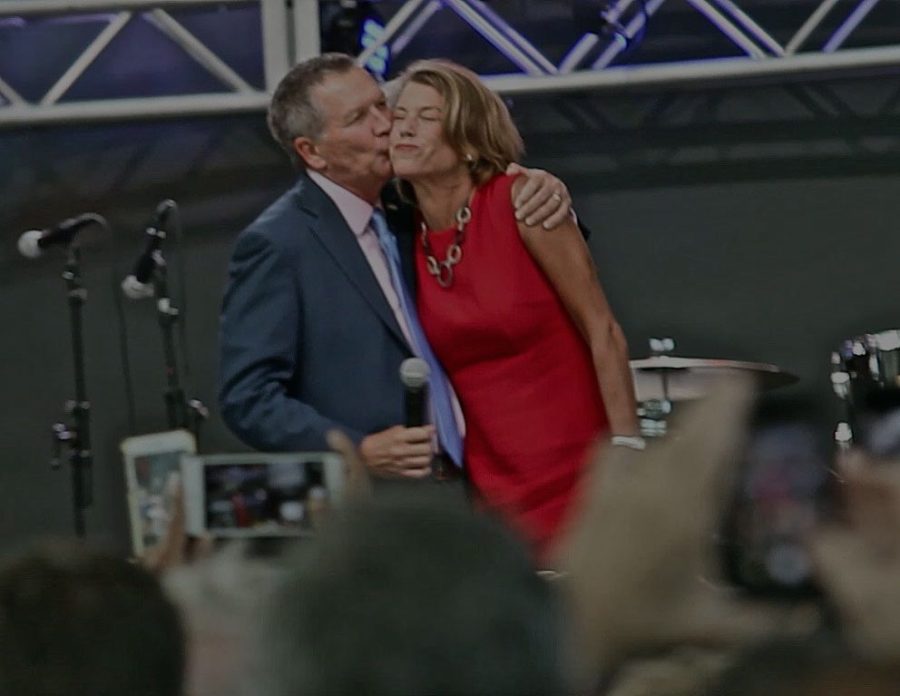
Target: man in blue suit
{"x":312,"y":335}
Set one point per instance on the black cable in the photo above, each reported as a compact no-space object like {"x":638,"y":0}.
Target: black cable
{"x":115,"y":274}
{"x":181,"y":303}
{"x":197,"y":412}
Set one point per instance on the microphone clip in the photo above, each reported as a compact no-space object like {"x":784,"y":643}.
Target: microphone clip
{"x":151,"y":263}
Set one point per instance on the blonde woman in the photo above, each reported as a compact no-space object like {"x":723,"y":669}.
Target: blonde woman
{"x":515,"y":313}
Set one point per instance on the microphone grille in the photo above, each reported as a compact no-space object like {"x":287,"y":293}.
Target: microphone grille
{"x":28,"y":244}
{"x":414,"y":373}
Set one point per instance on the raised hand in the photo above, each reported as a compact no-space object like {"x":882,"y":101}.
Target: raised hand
{"x":176,"y":548}
{"x":639,"y":561}
{"x":858,"y":562}
{"x":359,"y":485}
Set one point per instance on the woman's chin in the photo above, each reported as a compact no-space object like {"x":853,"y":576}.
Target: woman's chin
{"x":405,"y":172}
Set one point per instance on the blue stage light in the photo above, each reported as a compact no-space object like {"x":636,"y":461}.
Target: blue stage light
{"x":354,"y":26}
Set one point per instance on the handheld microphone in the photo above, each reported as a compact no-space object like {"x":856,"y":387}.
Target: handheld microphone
{"x":135,"y":286}
{"x":414,"y":375}
{"x":32,"y":243}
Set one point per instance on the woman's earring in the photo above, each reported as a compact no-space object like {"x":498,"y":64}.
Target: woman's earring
{"x":470,"y":160}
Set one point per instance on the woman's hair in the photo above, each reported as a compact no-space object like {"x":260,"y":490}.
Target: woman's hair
{"x":476,"y":121}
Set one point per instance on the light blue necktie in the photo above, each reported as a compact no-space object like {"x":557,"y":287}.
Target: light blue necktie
{"x":438,"y":389}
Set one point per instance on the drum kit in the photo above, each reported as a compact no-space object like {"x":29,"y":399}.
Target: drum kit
{"x":663,"y":379}
{"x":865,"y":376}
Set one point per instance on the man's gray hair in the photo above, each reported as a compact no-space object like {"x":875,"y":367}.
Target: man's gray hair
{"x":292,"y":113}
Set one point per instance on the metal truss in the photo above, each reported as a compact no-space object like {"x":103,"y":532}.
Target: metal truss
{"x":590,"y":63}
{"x":817,"y":48}
{"x":799,"y":68}
{"x":288,"y":34}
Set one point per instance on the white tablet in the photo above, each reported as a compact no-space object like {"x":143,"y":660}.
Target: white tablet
{"x":260,"y":494}
{"x":152,"y":468}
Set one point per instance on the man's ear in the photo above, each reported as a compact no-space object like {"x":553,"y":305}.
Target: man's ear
{"x":309,"y":153}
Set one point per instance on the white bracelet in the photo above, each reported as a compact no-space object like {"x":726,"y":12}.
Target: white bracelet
{"x":635,"y":442}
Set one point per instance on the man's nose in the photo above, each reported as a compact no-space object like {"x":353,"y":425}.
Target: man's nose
{"x":382,"y":121}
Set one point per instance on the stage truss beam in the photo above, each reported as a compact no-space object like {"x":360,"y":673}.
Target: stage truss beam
{"x":291,"y":32}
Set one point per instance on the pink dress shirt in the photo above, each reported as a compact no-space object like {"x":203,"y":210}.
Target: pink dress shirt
{"x":357,"y":213}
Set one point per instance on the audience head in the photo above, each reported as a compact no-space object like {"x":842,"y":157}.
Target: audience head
{"x":413,"y":595}
{"x":79,"y":623}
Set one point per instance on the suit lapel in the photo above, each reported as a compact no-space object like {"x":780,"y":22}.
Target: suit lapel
{"x":338,"y":239}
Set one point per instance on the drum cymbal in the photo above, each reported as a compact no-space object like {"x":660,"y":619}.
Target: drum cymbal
{"x":691,"y":378}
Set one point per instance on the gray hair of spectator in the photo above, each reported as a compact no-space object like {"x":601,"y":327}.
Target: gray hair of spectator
{"x":292,"y":111}
{"x":221,"y":598}
{"x":413,"y":595}
{"x":81,"y":623}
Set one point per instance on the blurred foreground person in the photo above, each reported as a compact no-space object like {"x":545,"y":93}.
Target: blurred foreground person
{"x":78,"y":623}
{"x":640,"y":563}
{"x":219,"y":592}
{"x":858,"y":558}
{"x":412,"y":596}
{"x":221,"y":598}
{"x":806,"y":668}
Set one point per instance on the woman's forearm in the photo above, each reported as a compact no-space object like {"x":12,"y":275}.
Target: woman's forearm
{"x":610,"y":355}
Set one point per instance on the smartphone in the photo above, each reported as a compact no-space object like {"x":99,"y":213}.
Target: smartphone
{"x":152,"y":469}
{"x":786,"y":488}
{"x":877,"y":428}
{"x":260,"y":494}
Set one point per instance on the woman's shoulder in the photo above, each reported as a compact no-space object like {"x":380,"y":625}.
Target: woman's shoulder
{"x":498,"y":189}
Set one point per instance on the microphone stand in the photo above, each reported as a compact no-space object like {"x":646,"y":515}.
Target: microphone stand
{"x":180,"y":411}
{"x":78,"y":435}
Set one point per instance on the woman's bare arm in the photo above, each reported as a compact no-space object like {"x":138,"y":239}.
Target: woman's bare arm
{"x":564,"y":257}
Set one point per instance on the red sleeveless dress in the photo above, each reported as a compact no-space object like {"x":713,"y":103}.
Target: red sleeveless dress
{"x":521,"y":369}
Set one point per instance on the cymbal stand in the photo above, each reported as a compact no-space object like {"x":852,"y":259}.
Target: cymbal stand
{"x":654,"y":412}
{"x":841,"y":383}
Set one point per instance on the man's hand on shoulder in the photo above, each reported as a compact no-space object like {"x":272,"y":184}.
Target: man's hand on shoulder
{"x":399,"y":452}
{"x":542,"y":199}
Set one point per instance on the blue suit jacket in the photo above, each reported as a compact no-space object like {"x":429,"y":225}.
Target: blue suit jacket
{"x":308,"y":341}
